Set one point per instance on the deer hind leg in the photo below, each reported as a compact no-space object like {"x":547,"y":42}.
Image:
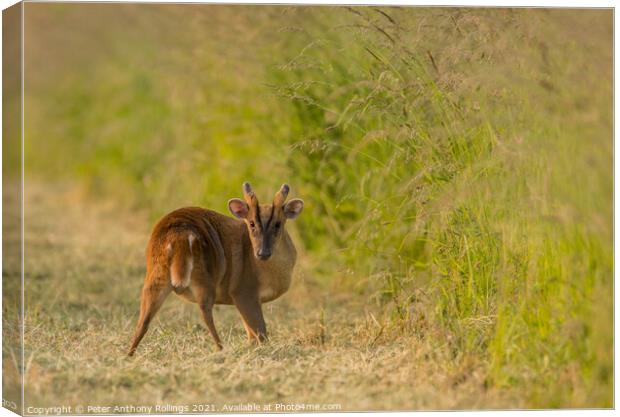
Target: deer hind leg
{"x":252,"y":314}
{"x":249,"y":331}
{"x":154,"y":293}
{"x":204,"y":295}
{"x":202,"y":290}
{"x":206,"y":307}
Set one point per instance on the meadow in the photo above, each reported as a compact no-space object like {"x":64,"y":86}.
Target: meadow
{"x":456,"y":246}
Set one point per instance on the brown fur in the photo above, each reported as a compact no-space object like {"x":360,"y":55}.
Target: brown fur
{"x":208,"y":258}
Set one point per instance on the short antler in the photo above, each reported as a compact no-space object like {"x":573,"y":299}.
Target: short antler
{"x":249,"y":195}
{"x":280,"y":196}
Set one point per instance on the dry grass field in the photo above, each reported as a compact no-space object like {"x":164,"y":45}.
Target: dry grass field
{"x":327,"y":348}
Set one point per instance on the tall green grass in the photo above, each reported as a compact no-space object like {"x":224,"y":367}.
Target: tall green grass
{"x":456,"y":163}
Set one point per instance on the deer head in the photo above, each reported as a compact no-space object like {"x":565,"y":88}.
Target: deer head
{"x":265,"y":222}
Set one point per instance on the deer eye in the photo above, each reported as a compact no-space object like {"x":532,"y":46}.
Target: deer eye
{"x":278,"y":225}
{"x":252,"y":224}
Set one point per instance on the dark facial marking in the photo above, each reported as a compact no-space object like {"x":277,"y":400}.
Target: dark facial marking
{"x":270,"y":218}
{"x":260,"y":224}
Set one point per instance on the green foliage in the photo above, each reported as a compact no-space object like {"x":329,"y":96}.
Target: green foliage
{"x":455,"y":163}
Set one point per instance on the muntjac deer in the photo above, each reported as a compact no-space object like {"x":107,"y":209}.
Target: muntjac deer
{"x":208,"y":258}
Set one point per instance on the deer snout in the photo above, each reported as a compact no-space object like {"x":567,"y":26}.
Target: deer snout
{"x":263,"y":254}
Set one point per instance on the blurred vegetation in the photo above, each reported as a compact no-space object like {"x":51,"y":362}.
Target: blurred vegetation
{"x":456,"y":163}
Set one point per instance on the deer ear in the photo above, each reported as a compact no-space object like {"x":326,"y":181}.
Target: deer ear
{"x":238,"y":208}
{"x":293,"y":208}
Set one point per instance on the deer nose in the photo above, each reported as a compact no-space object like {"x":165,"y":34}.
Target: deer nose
{"x":263,"y":254}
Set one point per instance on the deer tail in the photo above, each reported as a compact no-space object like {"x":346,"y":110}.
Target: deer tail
{"x":182,"y":259}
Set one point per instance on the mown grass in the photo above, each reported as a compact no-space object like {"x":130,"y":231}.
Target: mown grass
{"x":325,"y":347}
{"x":456,"y":166}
